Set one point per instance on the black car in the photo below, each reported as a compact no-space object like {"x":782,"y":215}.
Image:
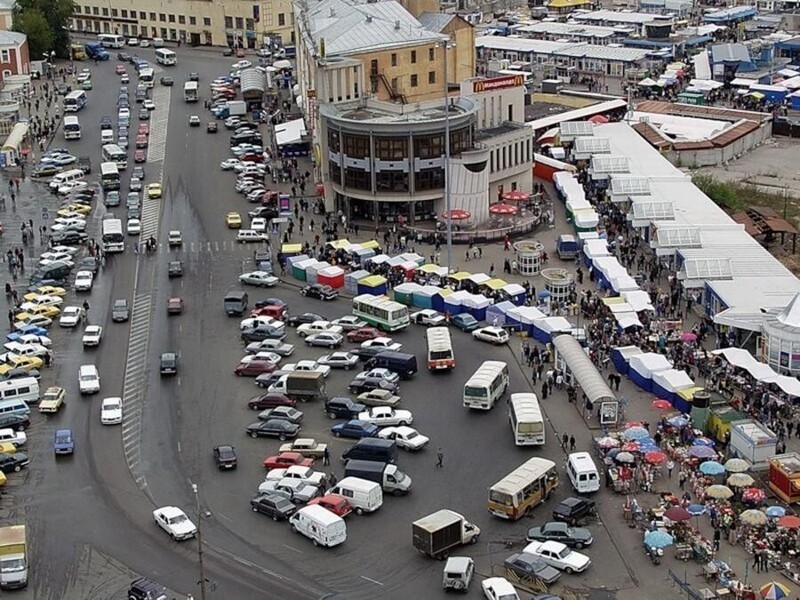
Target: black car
{"x":211,"y":127}
{"x":16,"y":422}
{"x":527,"y":565}
{"x":269,"y":400}
{"x":123,"y":56}
{"x":364,"y":354}
{"x":168,"y":363}
{"x":14,"y":462}
{"x":270,"y":301}
{"x":120,"y":311}
{"x":273,"y":505}
{"x":175,"y":268}
{"x":225,"y":457}
{"x":263,"y":332}
{"x":62,"y":89}
{"x":296,"y":320}
{"x":358,"y":386}
{"x":144,"y":589}
{"x":574,"y":537}
{"x":319,"y":291}
{"x":573,"y":510}
{"x":69,"y":237}
{"x":85,"y":164}
{"x":227,"y":51}
{"x":343,"y":408}
{"x":278,"y":428}
{"x":267,"y":212}
{"x":167,"y":81}
{"x":88,"y":263}
{"x":105,"y":123}
{"x":194,"y":76}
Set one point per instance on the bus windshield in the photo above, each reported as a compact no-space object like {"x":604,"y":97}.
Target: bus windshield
{"x":109,"y":176}
{"x":486,"y":386}
{"x":74,"y":101}
{"x":72,"y":128}
{"x":113,"y":236}
{"x":527,"y":421}
{"x":146,"y":77}
{"x":113,"y":153}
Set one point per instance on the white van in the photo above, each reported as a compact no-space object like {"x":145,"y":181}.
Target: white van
{"x":158,"y":42}
{"x":582,"y":473}
{"x":364,"y":496}
{"x":21,"y":388}
{"x":320,"y":525}
{"x":88,"y":379}
{"x":14,"y":407}
{"x":107,"y":136}
{"x":65,"y":177}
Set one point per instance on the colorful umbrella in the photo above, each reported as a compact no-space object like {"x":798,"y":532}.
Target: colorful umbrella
{"x":736,"y":465}
{"x":719,"y":492}
{"x":598,"y":120}
{"x":754,"y":494}
{"x":607,"y":442}
{"x":776,"y":512}
{"x":655,"y":457}
{"x":788,"y":521}
{"x":635,"y":433}
{"x":632,"y":446}
{"x":502,"y":209}
{"x":702,"y":452}
{"x":516,"y":196}
{"x":703,"y":441}
{"x":753,"y":517}
{"x":774,"y":591}
{"x":740,"y":480}
{"x":661,"y":404}
{"x":712,"y":467}
{"x":688,"y":336}
{"x":624,"y":457}
{"x":658,"y":539}
{"x":677,"y":513}
{"x":696,"y":509}
{"x":678,"y":421}
{"x":457,"y":214}
{"x":630,"y":424}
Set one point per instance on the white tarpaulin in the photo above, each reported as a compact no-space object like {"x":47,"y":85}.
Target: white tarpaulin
{"x":627,"y":319}
{"x":291,"y":132}
{"x":638,"y":299}
{"x":762,"y":372}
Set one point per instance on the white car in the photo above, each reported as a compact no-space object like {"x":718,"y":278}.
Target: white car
{"x":194,"y":121}
{"x":18,"y":349}
{"x":49,"y":257}
{"x":84,"y":280}
{"x":385,"y":416}
{"x":42,"y":300}
{"x":92,"y":335}
{"x":175,"y":522}
{"x":242,"y":64}
{"x":88,"y":379}
{"x":380,"y":373}
{"x":266,"y":355}
{"x":406,"y":438}
{"x":493,"y":335}
{"x":149,"y":104}
{"x":559,"y":556}
{"x":339,"y":360}
{"x":350,"y":322}
{"x":382,"y":342}
{"x":70,"y":225}
{"x":258,"y":224}
{"x":73,"y":186}
{"x":229,"y":164}
{"x":498,"y":588}
{"x":18,"y":438}
{"x":133,"y":41}
{"x":259,"y":278}
{"x":111,"y":411}
{"x":326,"y":339}
{"x":71,"y":316}
{"x":134,"y":227}
{"x":307,"y":329}
{"x":308,"y":365}
{"x":67,"y":261}
{"x":276,"y":346}
{"x":32,"y":338}
{"x":72,"y":250}
{"x":125,"y":78}
{"x":428,"y":317}
{"x":124,"y":113}
{"x":256,"y":321}
{"x":304,"y":474}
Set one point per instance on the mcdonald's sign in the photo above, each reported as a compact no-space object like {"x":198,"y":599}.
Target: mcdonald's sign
{"x":497,"y":83}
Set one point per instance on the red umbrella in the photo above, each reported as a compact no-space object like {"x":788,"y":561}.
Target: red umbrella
{"x":631,"y":424}
{"x":457,"y":214}
{"x":516,"y":196}
{"x":655,"y":457}
{"x":754,"y":494}
{"x":789,"y":521}
{"x":598,"y":120}
{"x":661,"y":404}
{"x":502,"y":209}
{"x":632,"y":446}
{"x":678,"y":513}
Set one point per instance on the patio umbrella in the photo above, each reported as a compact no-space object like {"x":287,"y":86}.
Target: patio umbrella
{"x":754,"y":494}
{"x":677,"y":513}
{"x":607,"y":442}
{"x":719,"y":492}
{"x":688,"y":336}
{"x":678,"y":421}
{"x":740,"y":480}
{"x":702,"y":452}
{"x":516,"y":196}
{"x":655,"y":457}
{"x":635,"y":433}
{"x":543,"y":294}
{"x":457,"y":214}
{"x":598,"y":120}
{"x":696,"y":509}
{"x":712,"y":467}
{"x":774,"y":591}
{"x":776,"y":512}
{"x":624,"y":457}
{"x":502,"y":209}
{"x":703,"y":441}
{"x":788,"y":521}
{"x":736,"y":465}
{"x":632,"y":446}
{"x":658,"y":539}
{"x":611,"y":453}
{"x":661,"y":404}
{"x":630,"y":424}
{"x":753,"y":517}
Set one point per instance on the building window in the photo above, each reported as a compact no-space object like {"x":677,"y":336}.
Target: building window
{"x":333,"y":141}
{"x":356,"y":146}
{"x":114,"y":12}
{"x":395,"y":85}
{"x":429,"y":179}
{"x":249,"y":24}
{"x":394,"y":59}
{"x":335,"y":173}
{"x":431,"y":54}
{"x":206,"y":21}
{"x":106,"y":27}
{"x":459,"y":141}
{"x":357,"y":179}
{"x":123,"y":12}
{"x":173,"y":34}
{"x":5,"y":57}
{"x":428,"y":146}
{"x":228,"y":22}
{"x":105,"y":11}
{"x":239,"y":22}
{"x":391,"y":181}
{"x":171,"y":18}
{"x":432,"y":77}
{"x":153,"y":16}
{"x":182,"y":19}
{"x":414,"y":80}
{"x":162,"y":17}
{"x":142,"y":15}
{"x":391,"y":148}
{"x":95,"y":10}
{"x":373,"y":66}
{"x":78,"y":8}
{"x":192,"y":20}
{"x":413,"y":56}
{"x":281,"y":20}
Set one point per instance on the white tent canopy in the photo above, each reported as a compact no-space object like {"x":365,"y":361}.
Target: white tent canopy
{"x":673,"y":380}
{"x":760,"y":371}
{"x":291,"y":132}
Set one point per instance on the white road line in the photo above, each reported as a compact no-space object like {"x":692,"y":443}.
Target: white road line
{"x":293,"y":548}
{"x":372,"y":580}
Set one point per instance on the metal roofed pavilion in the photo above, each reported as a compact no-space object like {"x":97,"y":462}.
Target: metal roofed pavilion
{"x":604,"y":165}
{"x":629,"y":186}
{"x":588,"y":146}
{"x":574,"y":129}
{"x":697,"y":270}
{"x":644,"y":213}
{"x":680,"y":237}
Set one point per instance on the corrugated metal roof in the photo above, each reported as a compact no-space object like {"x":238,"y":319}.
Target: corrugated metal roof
{"x":604,"y":52}
{"x":701,"y":112}
{"x":252,"y":80}
{"x":435,"y":21}
{"x":728,"y":136}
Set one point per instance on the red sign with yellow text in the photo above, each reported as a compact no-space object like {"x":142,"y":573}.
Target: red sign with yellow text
{"x":497,"y":83}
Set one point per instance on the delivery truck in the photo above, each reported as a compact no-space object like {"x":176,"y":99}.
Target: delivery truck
{"x":13,"y":557}
{"x":302,"y":386}
{"x":390,"y":478}
{"x":231,"y":108}
{"x":440,"y":532}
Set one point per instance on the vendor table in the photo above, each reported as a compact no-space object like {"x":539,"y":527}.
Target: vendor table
{"x":706,"y":593}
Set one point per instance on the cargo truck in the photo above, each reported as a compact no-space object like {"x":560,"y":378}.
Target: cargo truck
{"x":440,"y":532}
{"x":231,"y":108}
{"x":96,"y":51}
{"x":301,"y":386}
{"x":13,"y":557}
{"x":391,"y":479}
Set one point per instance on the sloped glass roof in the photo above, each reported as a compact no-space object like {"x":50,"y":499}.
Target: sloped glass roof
{"x":708,"y":268}
{"x":683,"y":237}
{"x":653,"y":211}
{"x":630,"y":186}
{"x":611,"y":164}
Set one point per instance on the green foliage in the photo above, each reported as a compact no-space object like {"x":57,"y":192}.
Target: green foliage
{"x":736,"y":196}
{"x":45,"y":23}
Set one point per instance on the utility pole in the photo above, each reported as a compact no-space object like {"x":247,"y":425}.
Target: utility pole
{"x":200,"y":543}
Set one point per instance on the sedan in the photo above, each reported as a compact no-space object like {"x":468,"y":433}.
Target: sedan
{"x":263,"y":332}
{"x":274,"y":506}
{"x":405,"y":437}
{"x":380,"y":373}
{"x":384,"y":343}
{"x":498,"y":588}
{"x":111,"y":411}
{"x":328,"y":340}
{"x":355,"y":429}
{"x":175,"y":306}
{"x":349,"y":323}
{"x":168,"y":364}
{"x":92,"y":335}
{"x":139,"y":156}
{"x":276,"y":346}
{"x":573,"y":510}
{"x":378,"y":398}
{"x":120,"y":311}
{"x":269,"y":400}
{"x":278,"y":428}
{"x":363,"y":334}
{"x":134,"y":227}
{"x":258,"y":278}
{"x":384,"y":416}
{"x":365,"y":384}
{"x":339,"y":360}
{"x":71,"y":316}
{"x":319,"y":291}
{"x":492,"y":335}
{"x":526,"y":565}
{"x":287,"y":413}
{"x":175,"y":268}
{"x":225,"y":457}
{"x":559,"y":556}
{"x":13,"y":462}
{"x":297,"y":320}
{"x":63,"y":442}
{"x":574,"y":537}
{"x":253,"y":368}
{"x":149,"y":104}
{"x":154,"y":190}
{"x":194,"y":121}
{"x":285,"y":460}
{"x":175,"y":522}
{"x":465,"y":322}
{"x":229,"y":164}
{"x":233,"y":220}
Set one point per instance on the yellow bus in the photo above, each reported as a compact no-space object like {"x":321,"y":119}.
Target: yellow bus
{"x":78,"y":53}
{"x":524,"y":488}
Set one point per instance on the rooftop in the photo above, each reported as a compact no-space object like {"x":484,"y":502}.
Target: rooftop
{"x":546,"y":47}
{"x":389,"y":113}
{"x":615,"y":16}
{"x":11,"y":38}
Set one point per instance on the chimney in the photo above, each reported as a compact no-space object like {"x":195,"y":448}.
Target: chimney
{"x":397,"y":24}
{"x":333,"y":12}
{"x":369,"y":18}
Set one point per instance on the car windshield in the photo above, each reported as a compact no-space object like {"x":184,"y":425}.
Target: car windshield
{"x":111,"y":406}
{"x":563,"y":553}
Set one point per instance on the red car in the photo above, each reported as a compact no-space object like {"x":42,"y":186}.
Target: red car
{"x":144,"y":129}
{"x":271,"y":400}
{"x":255,"y":157}
{"x":276,"y":312}
{"x":141,"y":141}
{"x":335,"y":503}
{"x":139,"y":156}
{"x":363,"y":334}
{"x":287,"y":459}
{"x":254,"y":368}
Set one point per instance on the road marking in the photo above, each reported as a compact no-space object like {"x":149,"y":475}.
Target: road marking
{"x":372,"y":580}
{"x":158,"y":125}
{"x":293,"y":548}
{"x":179,"y":446}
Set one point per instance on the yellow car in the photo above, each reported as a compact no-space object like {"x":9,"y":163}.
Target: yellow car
{"x":43,"y":299}
{"x":7,"y":448}
{"x":44,"y":311}
{"x":24,"y":362}
{"x":233,"y":220}
{"x":49,"y":290}
{"x":153,"y":190}
{"x":69,"y":209}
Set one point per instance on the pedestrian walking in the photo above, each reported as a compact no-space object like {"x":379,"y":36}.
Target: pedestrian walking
{"x":332,"y":481}
{"x":439,"y":459}
{"x":717,"y":536}
{"x":10,"y":317}
{"x":572,"y":443}
{"x":326,"y":457}
{"x":682,"y":478}
{"x":564,"y":442}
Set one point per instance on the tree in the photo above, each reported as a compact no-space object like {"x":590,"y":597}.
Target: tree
{"x":55,"y":14}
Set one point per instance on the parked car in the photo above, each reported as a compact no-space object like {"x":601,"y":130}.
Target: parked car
{"x":493,"y":335}
{"x":335,"y":503}
{"x":363,"y":334}
{"x":528,"y":565}
{"x":273,"y":505}
{"x":319,"y":291}
{"x":355,"y":429}
{"x":269,"y":400}
{"x":573,"y":510}
{"x":574,"y":537}
{"x":278,"y":428}
{"x":343,"y":408}
{"x":285,"y":460}
{"x":559,"y":556}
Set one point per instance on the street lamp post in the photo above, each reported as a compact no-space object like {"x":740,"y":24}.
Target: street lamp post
{"x":200,"y":543}
{"x":446,"y":45}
